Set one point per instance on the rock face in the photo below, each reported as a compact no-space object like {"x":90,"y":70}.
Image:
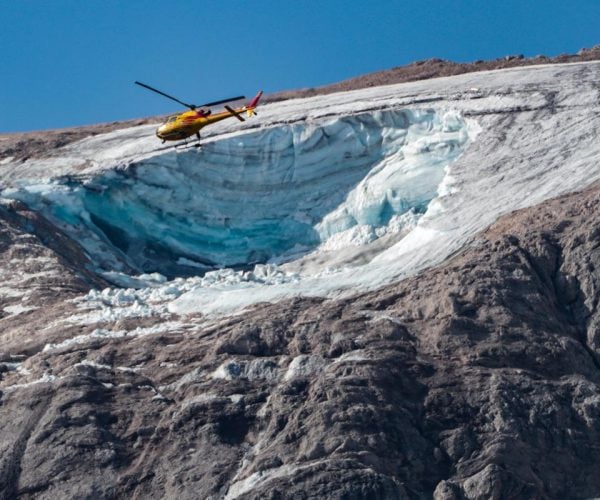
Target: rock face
{"x":41,"y":270}
{"x":477,"y":379}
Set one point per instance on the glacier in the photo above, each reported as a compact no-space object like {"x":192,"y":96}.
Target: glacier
{"x":321,"y":196}
{"x":236,"y":202}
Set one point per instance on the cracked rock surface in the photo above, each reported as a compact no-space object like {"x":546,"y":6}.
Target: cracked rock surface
{"x":476,"y":379}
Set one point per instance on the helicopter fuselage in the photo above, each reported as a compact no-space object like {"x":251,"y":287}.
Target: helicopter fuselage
{"x":184,"y":125}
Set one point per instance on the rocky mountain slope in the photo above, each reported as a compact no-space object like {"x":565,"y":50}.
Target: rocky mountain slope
{"x":440,"y":339}
{"x":478,"y":379}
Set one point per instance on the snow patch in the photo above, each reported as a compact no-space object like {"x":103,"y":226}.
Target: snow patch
{"x":263,"y":369}
{"x":45,"y":379}
{"x":304,"y":366}
{"x":12,"y":293}
{"x":103,"y":334}
{"x":239,"y":488}
{"x":18,"y":309}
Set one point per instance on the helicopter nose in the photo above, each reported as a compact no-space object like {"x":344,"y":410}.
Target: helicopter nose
{"x":160,"y":132}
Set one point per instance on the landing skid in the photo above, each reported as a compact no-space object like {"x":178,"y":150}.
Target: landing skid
{"x":187,"y":145}
{"x":180,"y":146}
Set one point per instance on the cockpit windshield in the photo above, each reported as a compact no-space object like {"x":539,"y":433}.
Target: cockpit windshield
{"x":171,"y":118}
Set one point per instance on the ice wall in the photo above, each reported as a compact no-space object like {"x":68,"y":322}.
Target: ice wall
{"x":272,"y":194}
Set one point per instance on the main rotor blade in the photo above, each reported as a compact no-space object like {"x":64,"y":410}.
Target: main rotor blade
{"x":209,"y":104}
{"x":191,"y":106}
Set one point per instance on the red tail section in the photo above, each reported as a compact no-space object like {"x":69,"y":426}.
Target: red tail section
{"x":254,"y":102}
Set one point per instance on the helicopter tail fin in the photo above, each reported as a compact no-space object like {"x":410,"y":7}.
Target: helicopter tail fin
{"x":253,"y":104}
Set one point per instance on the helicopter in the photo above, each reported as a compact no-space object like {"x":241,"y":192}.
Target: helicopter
{"x":183,"y":125}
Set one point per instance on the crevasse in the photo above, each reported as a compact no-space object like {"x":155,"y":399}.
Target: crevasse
{"x":267,"y":195}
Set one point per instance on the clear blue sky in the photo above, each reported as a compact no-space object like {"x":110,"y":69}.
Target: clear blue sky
{"x":73,"y":62}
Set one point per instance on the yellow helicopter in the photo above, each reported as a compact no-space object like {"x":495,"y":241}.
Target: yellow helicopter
{"x":184,"y":125}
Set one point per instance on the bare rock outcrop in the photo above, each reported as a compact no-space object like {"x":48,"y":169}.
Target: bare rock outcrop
{"x":477,"y":379}
{"x":41,"y":269}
